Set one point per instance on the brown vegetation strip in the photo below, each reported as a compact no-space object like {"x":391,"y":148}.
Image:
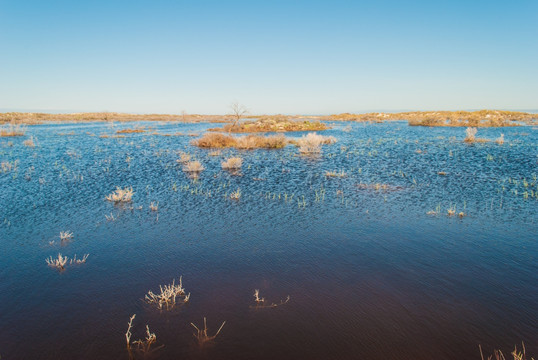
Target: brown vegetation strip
{"x":130,"y":131}
{"x":482,"y":118}
{"x":39,"y":118}
{"x":278,"y":123}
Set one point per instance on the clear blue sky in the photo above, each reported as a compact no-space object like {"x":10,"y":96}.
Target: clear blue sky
{"x":310,"y":57}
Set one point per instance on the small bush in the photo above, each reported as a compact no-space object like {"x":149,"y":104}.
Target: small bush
{"x":233,"y":163}
{"x":311,"y":143}
{"x":193,"y":167}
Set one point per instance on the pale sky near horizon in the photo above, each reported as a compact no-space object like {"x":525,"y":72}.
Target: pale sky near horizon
{"x":307,"y":57}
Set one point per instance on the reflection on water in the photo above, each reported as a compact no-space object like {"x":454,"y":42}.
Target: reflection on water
{"x":369,"y":273}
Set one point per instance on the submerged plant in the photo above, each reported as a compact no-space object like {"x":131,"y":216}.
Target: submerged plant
{"x":167,"y":296}
{"x":202,"y":336}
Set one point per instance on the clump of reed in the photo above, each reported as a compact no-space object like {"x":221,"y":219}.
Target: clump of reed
{"x":12,"y":130}
{"x":130,"y":131}
{"x":236,"y":195}
{"x":500,"y":139}
{"x":7,"y":166}
{"x":142,"y":347}
{"x":121,"y":195}
{"x":260,"y":302}
{"x":233,"y":163}
{"x":378,"y":186}
{"x":335,"y":174}
{"x":29,"y":142}
{"x":167,"y":297}
{"x":184,"y":157}
{"x":470,"y":136}
{"x":217,"y":140}
{"x":75,"y":261}
{"x":105,"y":136}
{"x":193,"y":167}
{"x":311,"y":143}
{"x":154,"y":206}
{"x":66,"y":235}
{"x":470,"y":133}
{"x":517,"y":355}
{"x":202,"y":336}
{"x":257,"y":297}
{"x":60,"y":262}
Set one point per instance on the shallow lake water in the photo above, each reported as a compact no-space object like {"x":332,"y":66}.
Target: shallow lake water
{"x":370,"y":274}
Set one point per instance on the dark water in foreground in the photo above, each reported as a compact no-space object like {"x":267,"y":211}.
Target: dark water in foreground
{"x":370,"y":275}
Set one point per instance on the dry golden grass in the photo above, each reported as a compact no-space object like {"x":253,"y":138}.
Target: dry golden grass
{"x":217,"y":140}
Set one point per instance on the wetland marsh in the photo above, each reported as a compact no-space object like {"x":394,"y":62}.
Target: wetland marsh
{"x":393,"y":242}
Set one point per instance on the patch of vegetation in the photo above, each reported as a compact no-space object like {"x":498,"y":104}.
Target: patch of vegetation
{"x":12,"y":130}
{"x":278,"y":123}
{"x":310,"y":144}
{"x":130,"y":131}
{"x":481,"y":118}
{"x":40,"y":118}
{"x":233,"y":163}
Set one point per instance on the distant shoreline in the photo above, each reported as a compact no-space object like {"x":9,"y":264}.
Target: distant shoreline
{"x":481,"y":118}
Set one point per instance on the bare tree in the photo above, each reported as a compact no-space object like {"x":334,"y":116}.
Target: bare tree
{"x":238,"y":111}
